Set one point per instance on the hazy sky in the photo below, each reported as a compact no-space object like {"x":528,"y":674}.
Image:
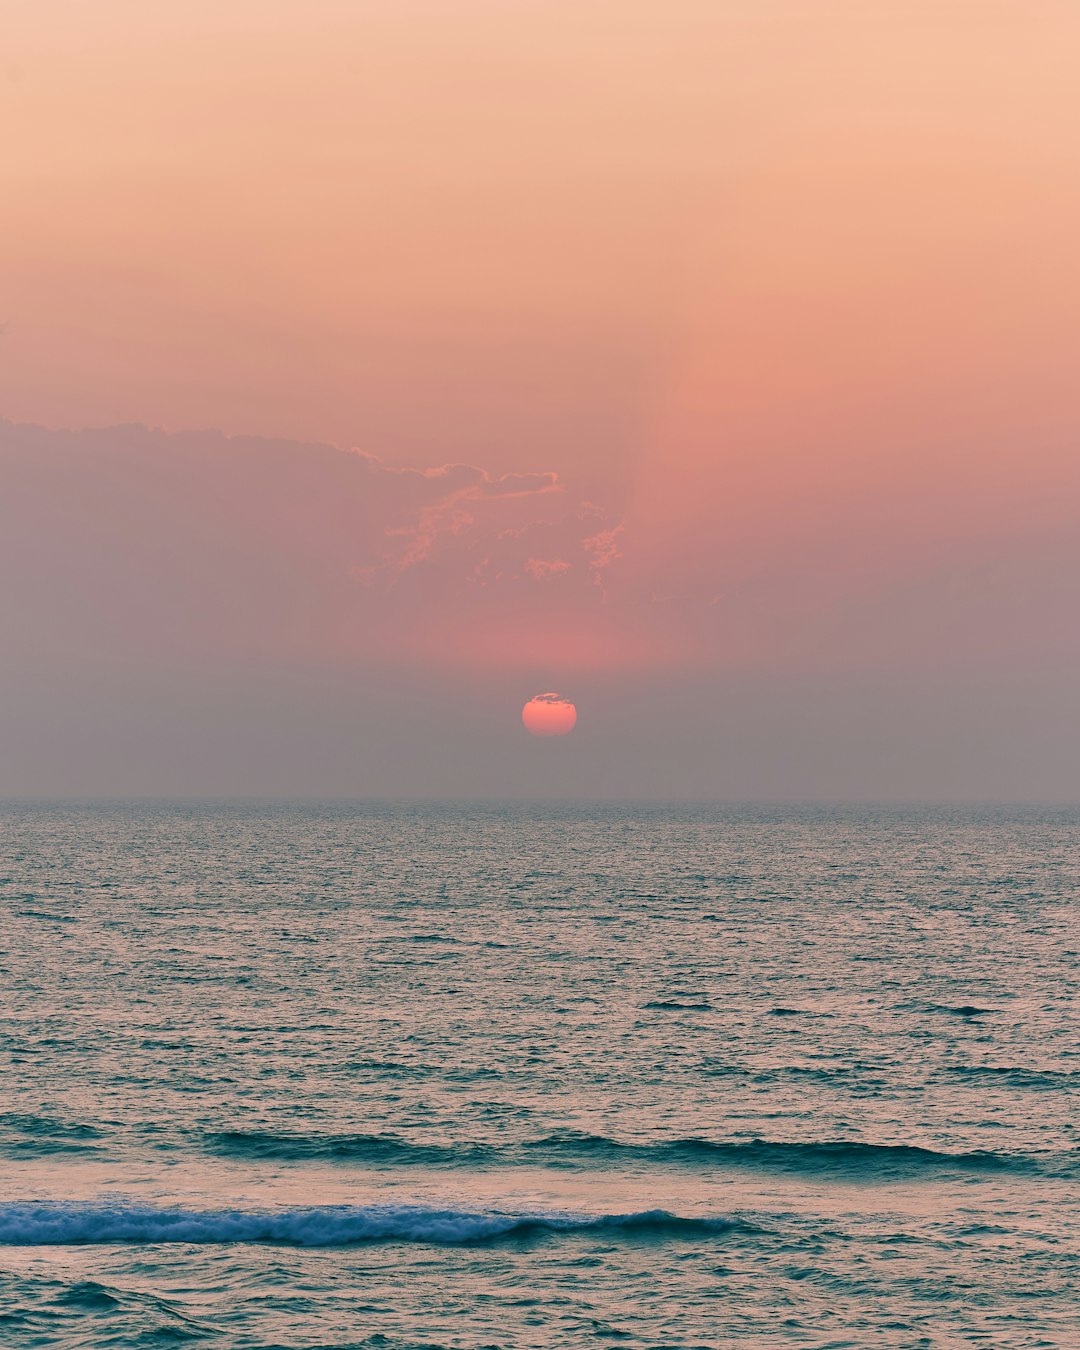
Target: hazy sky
{"x":711,"y":362}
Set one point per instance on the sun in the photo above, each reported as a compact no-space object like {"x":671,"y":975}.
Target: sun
{"x":549,"y":715}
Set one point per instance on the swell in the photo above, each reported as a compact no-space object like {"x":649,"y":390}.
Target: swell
{"x":846,"y":1157}
{"x":39,"y":1223}
{"x":372,"y":1148}
{"x":1015,"y":1075}
{"x":806,"y":1157}
{"x":23,"y":1134}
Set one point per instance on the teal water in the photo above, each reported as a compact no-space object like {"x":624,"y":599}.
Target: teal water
{"x":347,"y":1075}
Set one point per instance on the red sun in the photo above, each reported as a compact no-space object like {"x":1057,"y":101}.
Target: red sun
{"x":549,"y":715}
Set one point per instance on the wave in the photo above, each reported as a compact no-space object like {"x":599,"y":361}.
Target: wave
{"x":372,"y":1148}
{"x":63,"y":1223}
{"x":849,"y":1156}
{"x":23,"y":1134}
{"x":49,"y":1125}
{"x":1014,"y":1075}
{"x":854,"y":1158}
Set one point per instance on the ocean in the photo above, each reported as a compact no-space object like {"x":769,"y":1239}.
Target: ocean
{"x":341,"y":1074}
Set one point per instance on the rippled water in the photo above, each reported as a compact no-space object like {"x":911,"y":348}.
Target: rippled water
{"x":346,"y":1075}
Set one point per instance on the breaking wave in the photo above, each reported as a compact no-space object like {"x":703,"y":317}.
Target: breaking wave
{"x":38,"y":1223}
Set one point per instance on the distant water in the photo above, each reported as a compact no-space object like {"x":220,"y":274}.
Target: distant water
{"x":343,"y":1075}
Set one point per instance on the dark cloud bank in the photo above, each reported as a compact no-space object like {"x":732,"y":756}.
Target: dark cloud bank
{"x":194,"y":614}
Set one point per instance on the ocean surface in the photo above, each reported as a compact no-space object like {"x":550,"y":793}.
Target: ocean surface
{"x":343,"y":1075}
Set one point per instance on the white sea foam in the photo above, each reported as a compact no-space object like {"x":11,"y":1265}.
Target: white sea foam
{"x":36,"y":1223}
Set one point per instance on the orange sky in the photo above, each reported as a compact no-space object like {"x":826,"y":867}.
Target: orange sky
{"x":544,"y":226}
{"x":779,"y":298}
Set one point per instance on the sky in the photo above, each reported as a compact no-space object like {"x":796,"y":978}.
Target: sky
{"x":370,"y":366}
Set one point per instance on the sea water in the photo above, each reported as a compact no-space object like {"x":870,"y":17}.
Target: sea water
{"x":340,"y":1074}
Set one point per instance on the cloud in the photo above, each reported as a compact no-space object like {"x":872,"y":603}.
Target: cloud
{"x":544,"y":568}
{"x":194,"y":612}
{"x":135,"y":547}
{"x":462,"y":489}
{"x":132,"y":544}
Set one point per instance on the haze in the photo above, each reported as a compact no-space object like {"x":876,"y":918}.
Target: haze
{"x":368,"y":367}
